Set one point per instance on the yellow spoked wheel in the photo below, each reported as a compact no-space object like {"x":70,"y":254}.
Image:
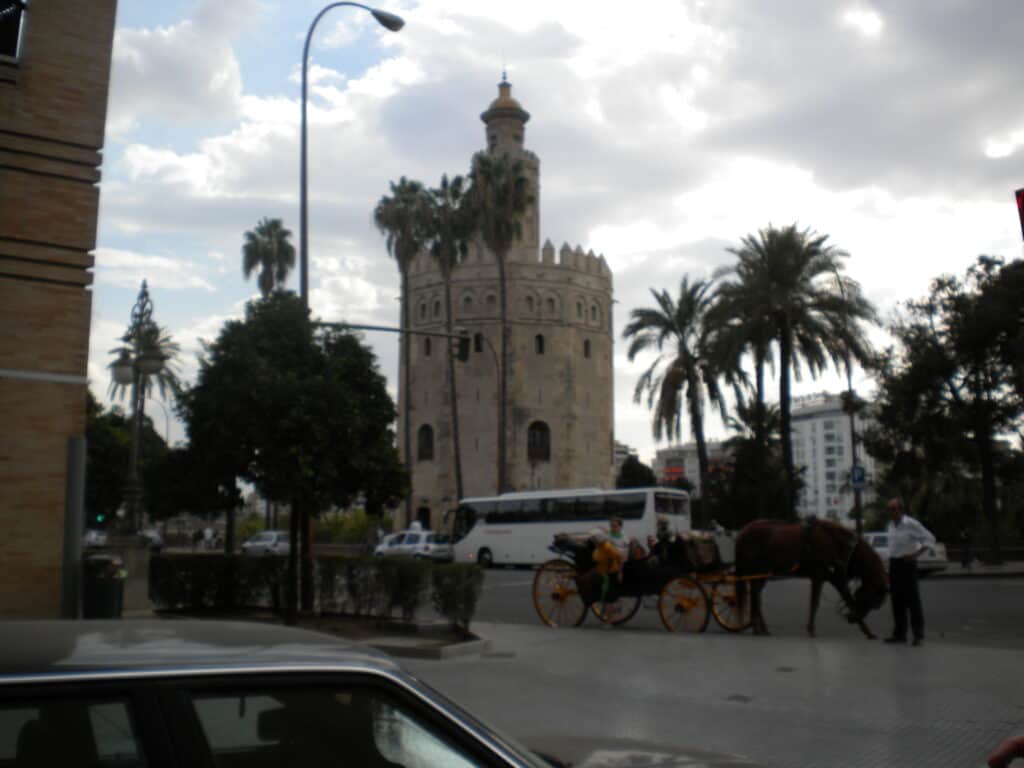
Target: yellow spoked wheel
{"x":556,"y":596}
{"x":683,"y":606}
{"x":726,"y":606}
{"x":619,"y":612}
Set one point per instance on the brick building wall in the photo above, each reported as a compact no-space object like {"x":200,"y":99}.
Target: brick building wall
{"x":53,"y":101}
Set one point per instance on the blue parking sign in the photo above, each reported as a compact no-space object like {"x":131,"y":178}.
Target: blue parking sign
{"x":858,"y":478}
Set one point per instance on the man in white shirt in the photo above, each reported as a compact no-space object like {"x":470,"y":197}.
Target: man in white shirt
{"x":907,"y":539}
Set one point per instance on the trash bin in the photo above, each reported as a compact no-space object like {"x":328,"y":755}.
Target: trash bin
{"x":103,"y":587}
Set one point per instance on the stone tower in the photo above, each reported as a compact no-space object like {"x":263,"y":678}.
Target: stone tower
{"x":560,"y":428}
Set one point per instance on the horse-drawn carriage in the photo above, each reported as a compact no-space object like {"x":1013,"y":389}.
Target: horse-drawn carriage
{"x":697,"y":575}
{"x":690,"y":574}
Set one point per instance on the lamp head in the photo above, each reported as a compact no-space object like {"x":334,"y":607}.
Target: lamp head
{"x":388,"y":20}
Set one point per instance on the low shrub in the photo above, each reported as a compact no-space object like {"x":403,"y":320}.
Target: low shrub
{"x":215,"y":581}
{"x":456,"y":590}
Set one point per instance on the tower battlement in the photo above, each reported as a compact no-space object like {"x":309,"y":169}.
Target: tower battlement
{"x":565,"y":258}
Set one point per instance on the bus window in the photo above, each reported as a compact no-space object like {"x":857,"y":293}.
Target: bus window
{"x":532,"y":511}
{"x":628,"y":506}
{"x":506,"y":512}
{"x":591,"y":508}
{"x":665,"y":504}
{"x":466,"y":517}
{"x":564,"y":509}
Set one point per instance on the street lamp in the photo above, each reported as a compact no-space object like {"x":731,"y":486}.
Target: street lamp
{"x":133,"y":363}
{"x":388,"y":21}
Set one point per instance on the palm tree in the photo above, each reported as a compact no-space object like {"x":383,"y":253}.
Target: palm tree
{"x":153,"y":338}
{"x":501,"y":196}
{"x":791,"y":281}
{"x":685,"y":370}
{"x":267,"y":248}
{"x":450,"y":225}
{"x":401,"y":218}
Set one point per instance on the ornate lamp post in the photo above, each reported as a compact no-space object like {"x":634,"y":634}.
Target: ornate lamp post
{"x":134,"y":363}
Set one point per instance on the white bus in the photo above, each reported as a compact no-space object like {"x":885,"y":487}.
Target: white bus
{"x":518,"y":528}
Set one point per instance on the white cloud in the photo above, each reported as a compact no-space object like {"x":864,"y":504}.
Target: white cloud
{"x":128,"y":269}
{"x":865,"y":21}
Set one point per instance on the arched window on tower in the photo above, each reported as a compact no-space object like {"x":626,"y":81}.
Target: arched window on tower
{"x":426,"y":347}
{"x":593,"y":313}
{"x":529,"y":304}
{"x":492,"y":302}
{"x":425,"y":443}
{"x":579,"y":310}
{"x":586,"y":348}
{"x":552,"y":307}
{"x":538,"y":344}
{"x":467,"y":304}
{"x":538,"y":442}
{"x":423,"y":310}
{"x":437,"y":308}
{"x":478,"y":342}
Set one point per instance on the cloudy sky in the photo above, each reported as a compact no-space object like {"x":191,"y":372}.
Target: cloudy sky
{"x":665,"y":134}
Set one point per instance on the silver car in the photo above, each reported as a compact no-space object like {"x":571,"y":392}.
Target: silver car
{"x":187,"y":693}
{"x":267,"y":543}
{"x":932,"y":560}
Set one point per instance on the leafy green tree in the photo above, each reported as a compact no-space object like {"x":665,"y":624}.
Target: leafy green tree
{"x":635,"y":474}
{"x":682,"y":376}
{"x":792,"y":278}
{"x":451,"y":223}
{"x":501,"y":197}
{"x":756,"y":478}
{"x":402,"y":218}
{"x":948,"y":391}
{"x":304,"y":415}
{"x":268,"y":248}
{"x":108,"y":449}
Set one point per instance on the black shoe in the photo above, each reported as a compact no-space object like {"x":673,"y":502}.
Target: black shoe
{"x":895,"y":639}
{"x":918,"y":641}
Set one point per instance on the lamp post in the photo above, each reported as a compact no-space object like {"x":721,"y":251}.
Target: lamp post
{"x":134,"y":363}
{"x":388,"y":21}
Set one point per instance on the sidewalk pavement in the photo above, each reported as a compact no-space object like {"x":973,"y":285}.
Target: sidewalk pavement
{"x":1007,"y":570}
{"x":774,"y":701}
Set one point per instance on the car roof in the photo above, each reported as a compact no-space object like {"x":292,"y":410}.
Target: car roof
{"x":60,"y":647}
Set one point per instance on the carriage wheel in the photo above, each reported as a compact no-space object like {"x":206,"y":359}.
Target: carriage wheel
{"x":683,"y":606}
{"x":725,"y":607}
{"x":556,"y":596}
{"x":620,"y":611}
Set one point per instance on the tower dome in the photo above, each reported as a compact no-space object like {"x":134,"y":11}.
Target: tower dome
{"x":505,"y":119}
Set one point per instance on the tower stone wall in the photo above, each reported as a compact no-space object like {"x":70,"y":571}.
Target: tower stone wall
{"x":560,"y":360}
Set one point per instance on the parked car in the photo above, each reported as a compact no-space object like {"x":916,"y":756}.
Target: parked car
{"x":267,"y":543}
{"x":94,"y":538}
{"x":184,"y":693}
{"x":390,"y":542}
{"x":932,"y":560}
{"x":152,"y":539}
{"x":439,"y":547}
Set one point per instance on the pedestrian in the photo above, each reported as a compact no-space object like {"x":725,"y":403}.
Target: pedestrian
{"x":907,"y":539}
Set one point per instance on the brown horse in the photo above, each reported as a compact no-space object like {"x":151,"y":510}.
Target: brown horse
{"x":818,"y":550}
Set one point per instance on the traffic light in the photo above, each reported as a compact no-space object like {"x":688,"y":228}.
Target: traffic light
{"x":1020,"y":208}
{"x":100,"y":517}
{"x":463,"y":349}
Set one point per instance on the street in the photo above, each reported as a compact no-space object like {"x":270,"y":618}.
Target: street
{"x":719,"y":699}
{"x":979,"y":612}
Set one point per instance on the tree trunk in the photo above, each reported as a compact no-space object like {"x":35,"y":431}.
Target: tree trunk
{"x":503,"y":378}
{"x":267,"y":518}
{"x":407,"y":394}
{"x":989,"y":508}
{"x":760,"y":435}
{"x":229,"y":532}
{"x":307,"y":559}
{"x":452,"y":389}
{"x":785,"y":355}
{"x":292,"y":588}
{"x":697,"y":423}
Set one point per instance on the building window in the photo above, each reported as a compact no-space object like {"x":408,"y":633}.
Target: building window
{"x":829,"y":424}
{"x":579,"y":310}
{"x":529,"y":304}
{"x":425,"y":443}
{"x":423,"y":311}
{"x":478,"y":342}
{"x":586,"y":348}
{"x":593,"y":314}
{"x":538,"y":442}
{"x":538,"y":344}
{"x":11,"y":12}
{"x":437,"y":308}
{"x":467,"y":304}
{"x":492,"y":302}
{"x":552,"y":308}
{"x":426,"y":347}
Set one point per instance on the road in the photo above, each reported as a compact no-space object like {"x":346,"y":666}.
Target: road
{"x":979,"y":612}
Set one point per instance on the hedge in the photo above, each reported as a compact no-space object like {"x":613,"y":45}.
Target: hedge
{"x":372,"y":587}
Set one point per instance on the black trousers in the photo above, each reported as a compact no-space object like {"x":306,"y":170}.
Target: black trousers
{"x":906,"y":598}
